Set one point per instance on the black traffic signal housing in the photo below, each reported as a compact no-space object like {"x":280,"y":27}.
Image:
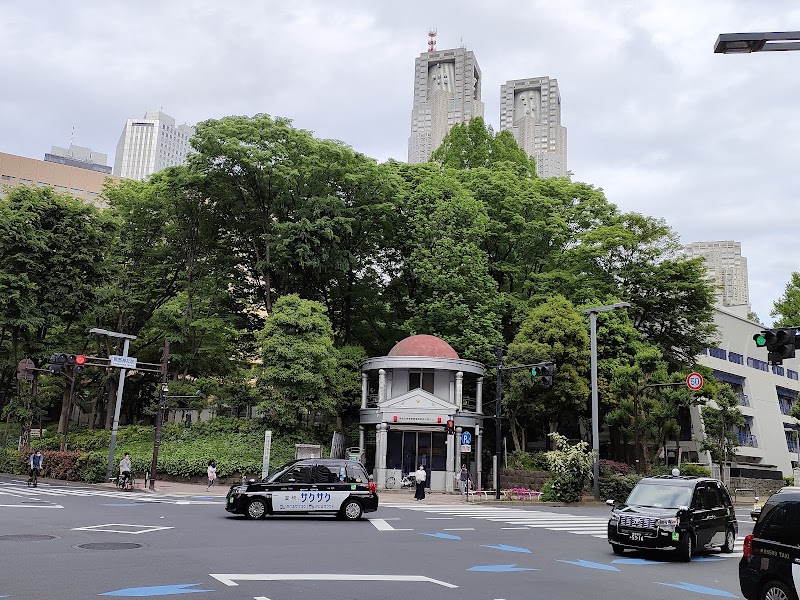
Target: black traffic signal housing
{"x":780,"y":343}
{"x":543,"y":372}
{"x":57,"y":363}
{"x":451,"y":427}
{"x":76,"y":362}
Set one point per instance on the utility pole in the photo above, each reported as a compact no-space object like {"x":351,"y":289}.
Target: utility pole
{"x":162,"y":401}
{"x":498,"y":409}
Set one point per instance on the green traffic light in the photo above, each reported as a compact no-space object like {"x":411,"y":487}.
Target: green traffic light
{"x":761,"y":341}
{"x":533,"y":372}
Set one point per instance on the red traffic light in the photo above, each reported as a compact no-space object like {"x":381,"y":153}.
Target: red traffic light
{"x":80,"y":359}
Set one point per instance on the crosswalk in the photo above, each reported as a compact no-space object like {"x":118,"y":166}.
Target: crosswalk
{"x":18,"y":490}
{"x":516,"y":518}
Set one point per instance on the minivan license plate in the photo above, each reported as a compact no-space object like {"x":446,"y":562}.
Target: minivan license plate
{"x":637,"y":537}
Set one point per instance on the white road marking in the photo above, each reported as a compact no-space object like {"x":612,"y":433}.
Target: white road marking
{"x":461,"y":529}
{"x":101,"y":528}
{"x":439,"y":518}
{"x":513,"y":528}
{"x":30,"y":506}
{"x":382,"y":525}
{"x":232,"y":578}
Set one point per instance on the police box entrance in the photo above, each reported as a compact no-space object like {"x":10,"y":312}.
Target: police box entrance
{"x":408,"y":449}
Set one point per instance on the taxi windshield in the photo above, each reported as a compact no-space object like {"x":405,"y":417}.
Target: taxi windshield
{"x":652,"y":495}
{"x":280,"y":471}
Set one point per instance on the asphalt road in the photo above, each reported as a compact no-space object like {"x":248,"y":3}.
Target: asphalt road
{"x":191,"y":545}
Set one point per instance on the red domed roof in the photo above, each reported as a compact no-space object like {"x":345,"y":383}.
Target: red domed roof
{"x":423,"y":345}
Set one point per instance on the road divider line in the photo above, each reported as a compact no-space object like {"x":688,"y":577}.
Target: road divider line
{"x":230,"y":579}
{"x":382,"y":525}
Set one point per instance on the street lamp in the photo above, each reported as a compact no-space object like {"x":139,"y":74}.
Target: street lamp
{"x":592,"y":312}
{"x":746,"y":43}
{"x":122,"y":372}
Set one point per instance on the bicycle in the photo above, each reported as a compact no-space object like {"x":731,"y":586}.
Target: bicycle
{"x":125,"y":483}
{"x":34,"y":478}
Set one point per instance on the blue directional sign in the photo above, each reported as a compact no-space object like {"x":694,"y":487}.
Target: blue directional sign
{"x":700,"y":589}
{"x":590,"y":565}
{"x":442,"y":536}
{"x":508,"y":548}
{"x":157,"y":590}
{"x":466,"y":438}
{"x":499,"y":568}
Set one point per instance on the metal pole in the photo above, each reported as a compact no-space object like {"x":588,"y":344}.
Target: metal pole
{"x":595,"y":407}
{"x":497,"y":425}
{"x":115,"y":426}
{"x":162,"y":401}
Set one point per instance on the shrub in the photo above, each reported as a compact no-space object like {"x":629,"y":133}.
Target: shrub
{"x":617,"y":487}
{"x":571,"y":467}
{"x":547,"y":491}
{"x":12,"y":461}
{"x":687,"y":469}
{"x":612,"y":467}
{"x":788,"y":481}
{"x":531,"y":461}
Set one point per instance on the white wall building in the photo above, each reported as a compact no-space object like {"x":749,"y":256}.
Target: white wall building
{"x":447,"y":90}
{"x":766,"y":394}
{"x":727,"y":268}
{"x":150,"y":144}
{"x":531,"y":110}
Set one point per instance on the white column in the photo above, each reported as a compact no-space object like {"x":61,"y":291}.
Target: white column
{"x":364,"y":389}
{"x":381,"y":385}
{"x":449,"y":481}
{"x":479,"y":396}
{"x":380,"y":456}
{"x":362,"y":443}
{"x":478,"y":450}
{"x":460,"y":390}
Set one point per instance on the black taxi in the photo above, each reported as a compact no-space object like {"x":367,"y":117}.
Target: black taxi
{"x":770,"y":564}
{"x":314,"y":485}
{"x":677,"y":513}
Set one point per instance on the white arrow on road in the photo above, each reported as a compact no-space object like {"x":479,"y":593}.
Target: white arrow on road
{"x":231,"y":578}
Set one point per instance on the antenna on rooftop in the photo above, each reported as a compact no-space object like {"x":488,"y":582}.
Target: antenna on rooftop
{"x":432,"y":39}
{"x":72,"y":136}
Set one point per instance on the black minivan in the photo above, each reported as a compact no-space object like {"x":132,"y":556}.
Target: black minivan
{"x":681,"y":514}
{"x":314,"y":485}
{"x":770,"y":566}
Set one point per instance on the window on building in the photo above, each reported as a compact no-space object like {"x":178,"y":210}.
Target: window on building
{"x":718,"y":353}
{"x":7,"y":178}
{"x":757,"y":364}
{"x":736,"y":358}
{"x":421,"y":379}
{"x":791,"y":374}
{"x":25,"y":181}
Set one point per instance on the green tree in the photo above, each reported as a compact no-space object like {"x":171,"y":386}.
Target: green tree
{"x":298,"y":375}
{"x":786,"y":309}
{"x":720,"y":420}
{"x":553,"y":331}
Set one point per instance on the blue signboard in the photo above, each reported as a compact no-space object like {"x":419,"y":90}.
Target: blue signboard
{"x":466,"y":438}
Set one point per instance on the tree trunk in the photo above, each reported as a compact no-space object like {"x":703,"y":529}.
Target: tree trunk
{"x":62,"y":420}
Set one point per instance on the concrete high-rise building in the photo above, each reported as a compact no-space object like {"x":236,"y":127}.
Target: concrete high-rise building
{"x":80,"y":157}
{"x":447,"y":91}
{"x":150,"y":144}
{"x":727,"y":267}
{"x":531,"y":110}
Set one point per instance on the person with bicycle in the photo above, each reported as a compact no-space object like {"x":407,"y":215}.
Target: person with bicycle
{"x":35,"y":463}
{"x":125,"y":471}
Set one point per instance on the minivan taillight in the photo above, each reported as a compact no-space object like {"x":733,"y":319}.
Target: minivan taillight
{"x":373,"y":489}
{"x":747,"y":548}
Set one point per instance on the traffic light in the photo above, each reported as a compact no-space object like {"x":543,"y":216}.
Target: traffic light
{"x":543,"y":373}
{"x":57,"y":363}
{"x":780,"y":344}
{"x":76,"y":362}
{"x":451,"y":427}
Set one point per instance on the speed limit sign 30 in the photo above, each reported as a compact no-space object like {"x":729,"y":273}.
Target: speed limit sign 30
{"x":694,"y":381}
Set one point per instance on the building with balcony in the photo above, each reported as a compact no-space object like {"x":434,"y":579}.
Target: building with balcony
{"x":407,"y":399}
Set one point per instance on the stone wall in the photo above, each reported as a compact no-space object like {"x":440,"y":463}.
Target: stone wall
{"x":522,"y":478}
{"x":761,"y":487}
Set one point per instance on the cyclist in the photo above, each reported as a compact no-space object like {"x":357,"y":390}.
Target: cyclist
{"x":35,"y":464}
{"x":125,"y":471}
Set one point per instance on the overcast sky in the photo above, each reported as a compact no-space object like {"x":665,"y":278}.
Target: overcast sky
{"x":655,"y":118}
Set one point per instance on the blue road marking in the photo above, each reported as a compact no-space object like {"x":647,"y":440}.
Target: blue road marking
{"x":156,"y":590}
{"x":706,"y":559}
{"x":499,"y":568}
{"x":508,"y":548}
{"x":590,"y":565}
{"x":636,"y":561}
{"x":700,"y":589}
{"x":443,"y":536}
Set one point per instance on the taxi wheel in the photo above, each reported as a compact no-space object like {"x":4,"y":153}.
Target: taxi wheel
{"x":686,"y":549}
{"x":257,"y":509}
{"x":730,"y":540}
{"x":775,"y":590}
{"x":617,"y":549}
{"x":352,"y":510}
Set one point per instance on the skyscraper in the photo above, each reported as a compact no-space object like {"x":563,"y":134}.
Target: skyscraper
{"x":726,"y":267}
{"x":150,"y":144}
{"x":447,"y":90}
{"x":531,"y":109}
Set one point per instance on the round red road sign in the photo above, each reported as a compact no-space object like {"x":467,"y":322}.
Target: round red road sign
{"x":694,"y":381}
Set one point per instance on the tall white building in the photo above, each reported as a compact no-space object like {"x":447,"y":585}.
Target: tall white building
{"x":447,"y":90}
{"x":531,"y":110}
{"x":150,"y":144}
{"x":727,"y":268}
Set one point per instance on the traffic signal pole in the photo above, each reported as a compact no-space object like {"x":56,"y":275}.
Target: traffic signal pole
{"x":162,"y":401}
{"x":117,"y":407}
{"x":498,"y":409}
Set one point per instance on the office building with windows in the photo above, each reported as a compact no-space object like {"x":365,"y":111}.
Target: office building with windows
{"x":531,"y":110}
{"x":78,"y":156}
{"x":150,"y":144}
{"x":447,"y":91}
{"x":727,"y":268}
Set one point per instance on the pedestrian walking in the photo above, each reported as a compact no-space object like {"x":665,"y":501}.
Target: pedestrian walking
{"x":420,"y":476}
{"x":463,"y":480}
{"x":212,"y":474}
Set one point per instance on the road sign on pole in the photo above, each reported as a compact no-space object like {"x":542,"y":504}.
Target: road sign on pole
{"x":694,"y":381}
{"x":25,"y":369}
{"x":466,"y":438}
{"x":123,"y":362}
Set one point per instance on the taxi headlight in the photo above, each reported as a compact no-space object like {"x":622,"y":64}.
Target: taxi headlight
{"x":240,"y":489}
{"x":614,"y":518}
{"x":668,"y":524}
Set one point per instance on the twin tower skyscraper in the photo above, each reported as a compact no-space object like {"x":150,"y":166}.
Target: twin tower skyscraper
{"x":447,"y":91}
